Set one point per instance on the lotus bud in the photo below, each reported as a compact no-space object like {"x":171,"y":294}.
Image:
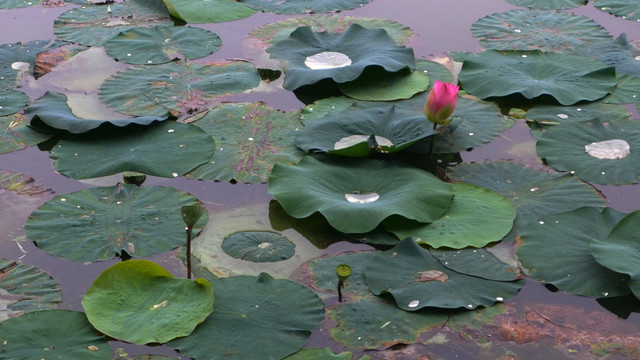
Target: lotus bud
{"x":343,"y":271}
{"x":441,"y":103}
{"x":191,"y":214}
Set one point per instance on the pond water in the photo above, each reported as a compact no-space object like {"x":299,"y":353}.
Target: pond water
{"x":439,"y":26}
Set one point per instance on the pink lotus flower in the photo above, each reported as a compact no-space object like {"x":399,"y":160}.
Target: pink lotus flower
{"x":441,"y":103}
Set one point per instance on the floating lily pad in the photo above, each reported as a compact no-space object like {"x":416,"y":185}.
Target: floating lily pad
{"x":321,"y":353}
{"x":361,"y":130}
{"x":16,"y":135}
{"x":93,"y":25}
{"x":181,"y":87}
{"x":17,"y":60}
{"x":319,"y":274}
{"x":258,"y":246}
{"x":277,"y":316}
{"x":20,"y":184}
{"x":98,"y":223}
{"x":626,"y":9}
{"x":549,"y":4}
{"x":211,"y":11}
{"x":567,"y":78}
{"x":376,"y":84}
{"x":12,"y":101}
{"x":342,"y":57}
{"x":538,"y":30}
{"x":557,"y":250}
{"x":619,"y":53}
{"x":13,"y":4}
{"x":51,"y":112}
{"x":39,"y":335}
{"x":24,"y":289}
{"x":161,"y":44}
{"x":596,"y":151}
{"x":139,"y":301}
{"x":550,"y":115}
{"x":303,"y":6}
{"x":627,"y":91}
{"x":416,"y":280}
{"x":476,"y":217}
{"x":167,"y":149}
{"x":476,"y":262}
{"x":250,"y":138}
{"x":356,"y":195}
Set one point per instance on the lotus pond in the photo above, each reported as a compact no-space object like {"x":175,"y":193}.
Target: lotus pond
{"x":325,"y":216}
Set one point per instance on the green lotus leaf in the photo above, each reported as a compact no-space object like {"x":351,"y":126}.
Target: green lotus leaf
{"x":551,"y":115}
{"x":534,"y":193}
{"x":342,"y":57}
{"x":319,"y":353}
{"x":12,"y":4}
{"x":477,"y":262}
{"x":416,"y":280}
{"x":626,"y":92}
{"x":620,"y":251}
{"x":551,"y":31}
{"x":20,"y":184}
{"x":567,"y":78}
{"x":167,"y":149}
{"x":52,"y":334}
{"x":277,"y":316}
{"x":322,"y":107}
{"x":51,"y":112}
{"x":597,"y":152}
{"x":12,"y":101}
{"x":161,"y":44}
{"x":211,"y":11}
{"x":619,"y":53}
{"x":356,"y":195}
{"x":626,"y":9}
{"x":24,"y":288}
{"x":375,"y":84}
{"x":476,"y":217}
{"x":557,"y":250}
{"x":361,"y":130}
{"x":181,"y":87}
{"x":122,"y":355}
{"x":303,"y":6}
{"x":17,"y":60}
{"x":258,"y":246}
{"x":549,"y":4}
{"x":139,"y":301}
{"x":435,"y":70}
{"x":16,"y":135}
{"x":250,"y":138}
{"x":93,"y":25}
{"x":98,"y":223}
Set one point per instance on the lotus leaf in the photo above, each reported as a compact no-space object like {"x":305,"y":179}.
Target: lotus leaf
{"x":139,"y":301}
{"x":416,"y":280}
{"x":24,"y":288}
{"x":17,"y":60}
{"x":322,"y":107}
{"x":476,"y":262}
{"x":549,"y":4}
{"x":250,"y":138}
{"x":98,"y":223}
{"x":12,"y":101}
{"x":16,"y":135}
{"x":303,"y":6}
{"x":596,"y":151}
{"x":356,"y":195}
{"x":51,"y":112}
{"x":620,"y":251}
{"x":177,"y":86}
{"x":270,"y":318}
{"x":627,"y":9}
{"x":376,"y":84}
{"x":557,"y":250}
{"x":619,"y":53}
{"x":93,"y":25}
{"x":626,"y":92}
{"x":52,"y":334}
{"x":360,"y":130}
{"x":321,"y":353}
{"x":550,"y":115}
{"x":20,"y":184}
{"x":476,"y":217}
{"x":258,"y":246}
{"x":211,"y":11}
{"x":567,"y":78}
{"x":319,"y":274}
{"x":12,"y":4}
{"x":538,"y":30}
{"x":167,"y":149}
{"x":342,"y":56}
{"x":161,"y":44}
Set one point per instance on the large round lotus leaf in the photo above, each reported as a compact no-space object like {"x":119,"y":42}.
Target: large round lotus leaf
{"x":24,"y":288}
{"x":549,"y":115}
{"x":538,"y":30}
{"x":627,"y":9}
{"x":567,"y":78}
{"x":139,"y":301}
{"x":303,"y":6}
{"x":435,"y":70}
{"x":557,"y":250}
{"x":626,"y":92}
{"x":620,"y":251}
{"x":619,"y":53}
{"x":250,"y":138}
{"x":177,"y":86}
{"x":416,"y":280}
{"x":320,"y":353}
{"x":476,"y":217}
{"x":16,"y":135}
{"x":601,"y":152}
{"x":534,"y":193}
{"x":167,"y":149}
{"x":258,"y":246}
{"x":12,"y":101}
{"x":355,"y":195}
{"x":161,"y":44}
{"x":93,"y":25}
{"x":549,"y":4}
{"x":18,"y":59}
{"x":342,"y":57}
{"x":210,"y":11}
{"x":360,"y":130}
{"x":52,"y":335}
{"x":376,"y":84}
{"x":255,"y":318}
{"x":52,"y":111}
{"x":476,"y":262}
{"x":97,"y":223}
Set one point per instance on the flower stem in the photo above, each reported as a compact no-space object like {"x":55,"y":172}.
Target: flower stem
{"x":189,"y":229}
